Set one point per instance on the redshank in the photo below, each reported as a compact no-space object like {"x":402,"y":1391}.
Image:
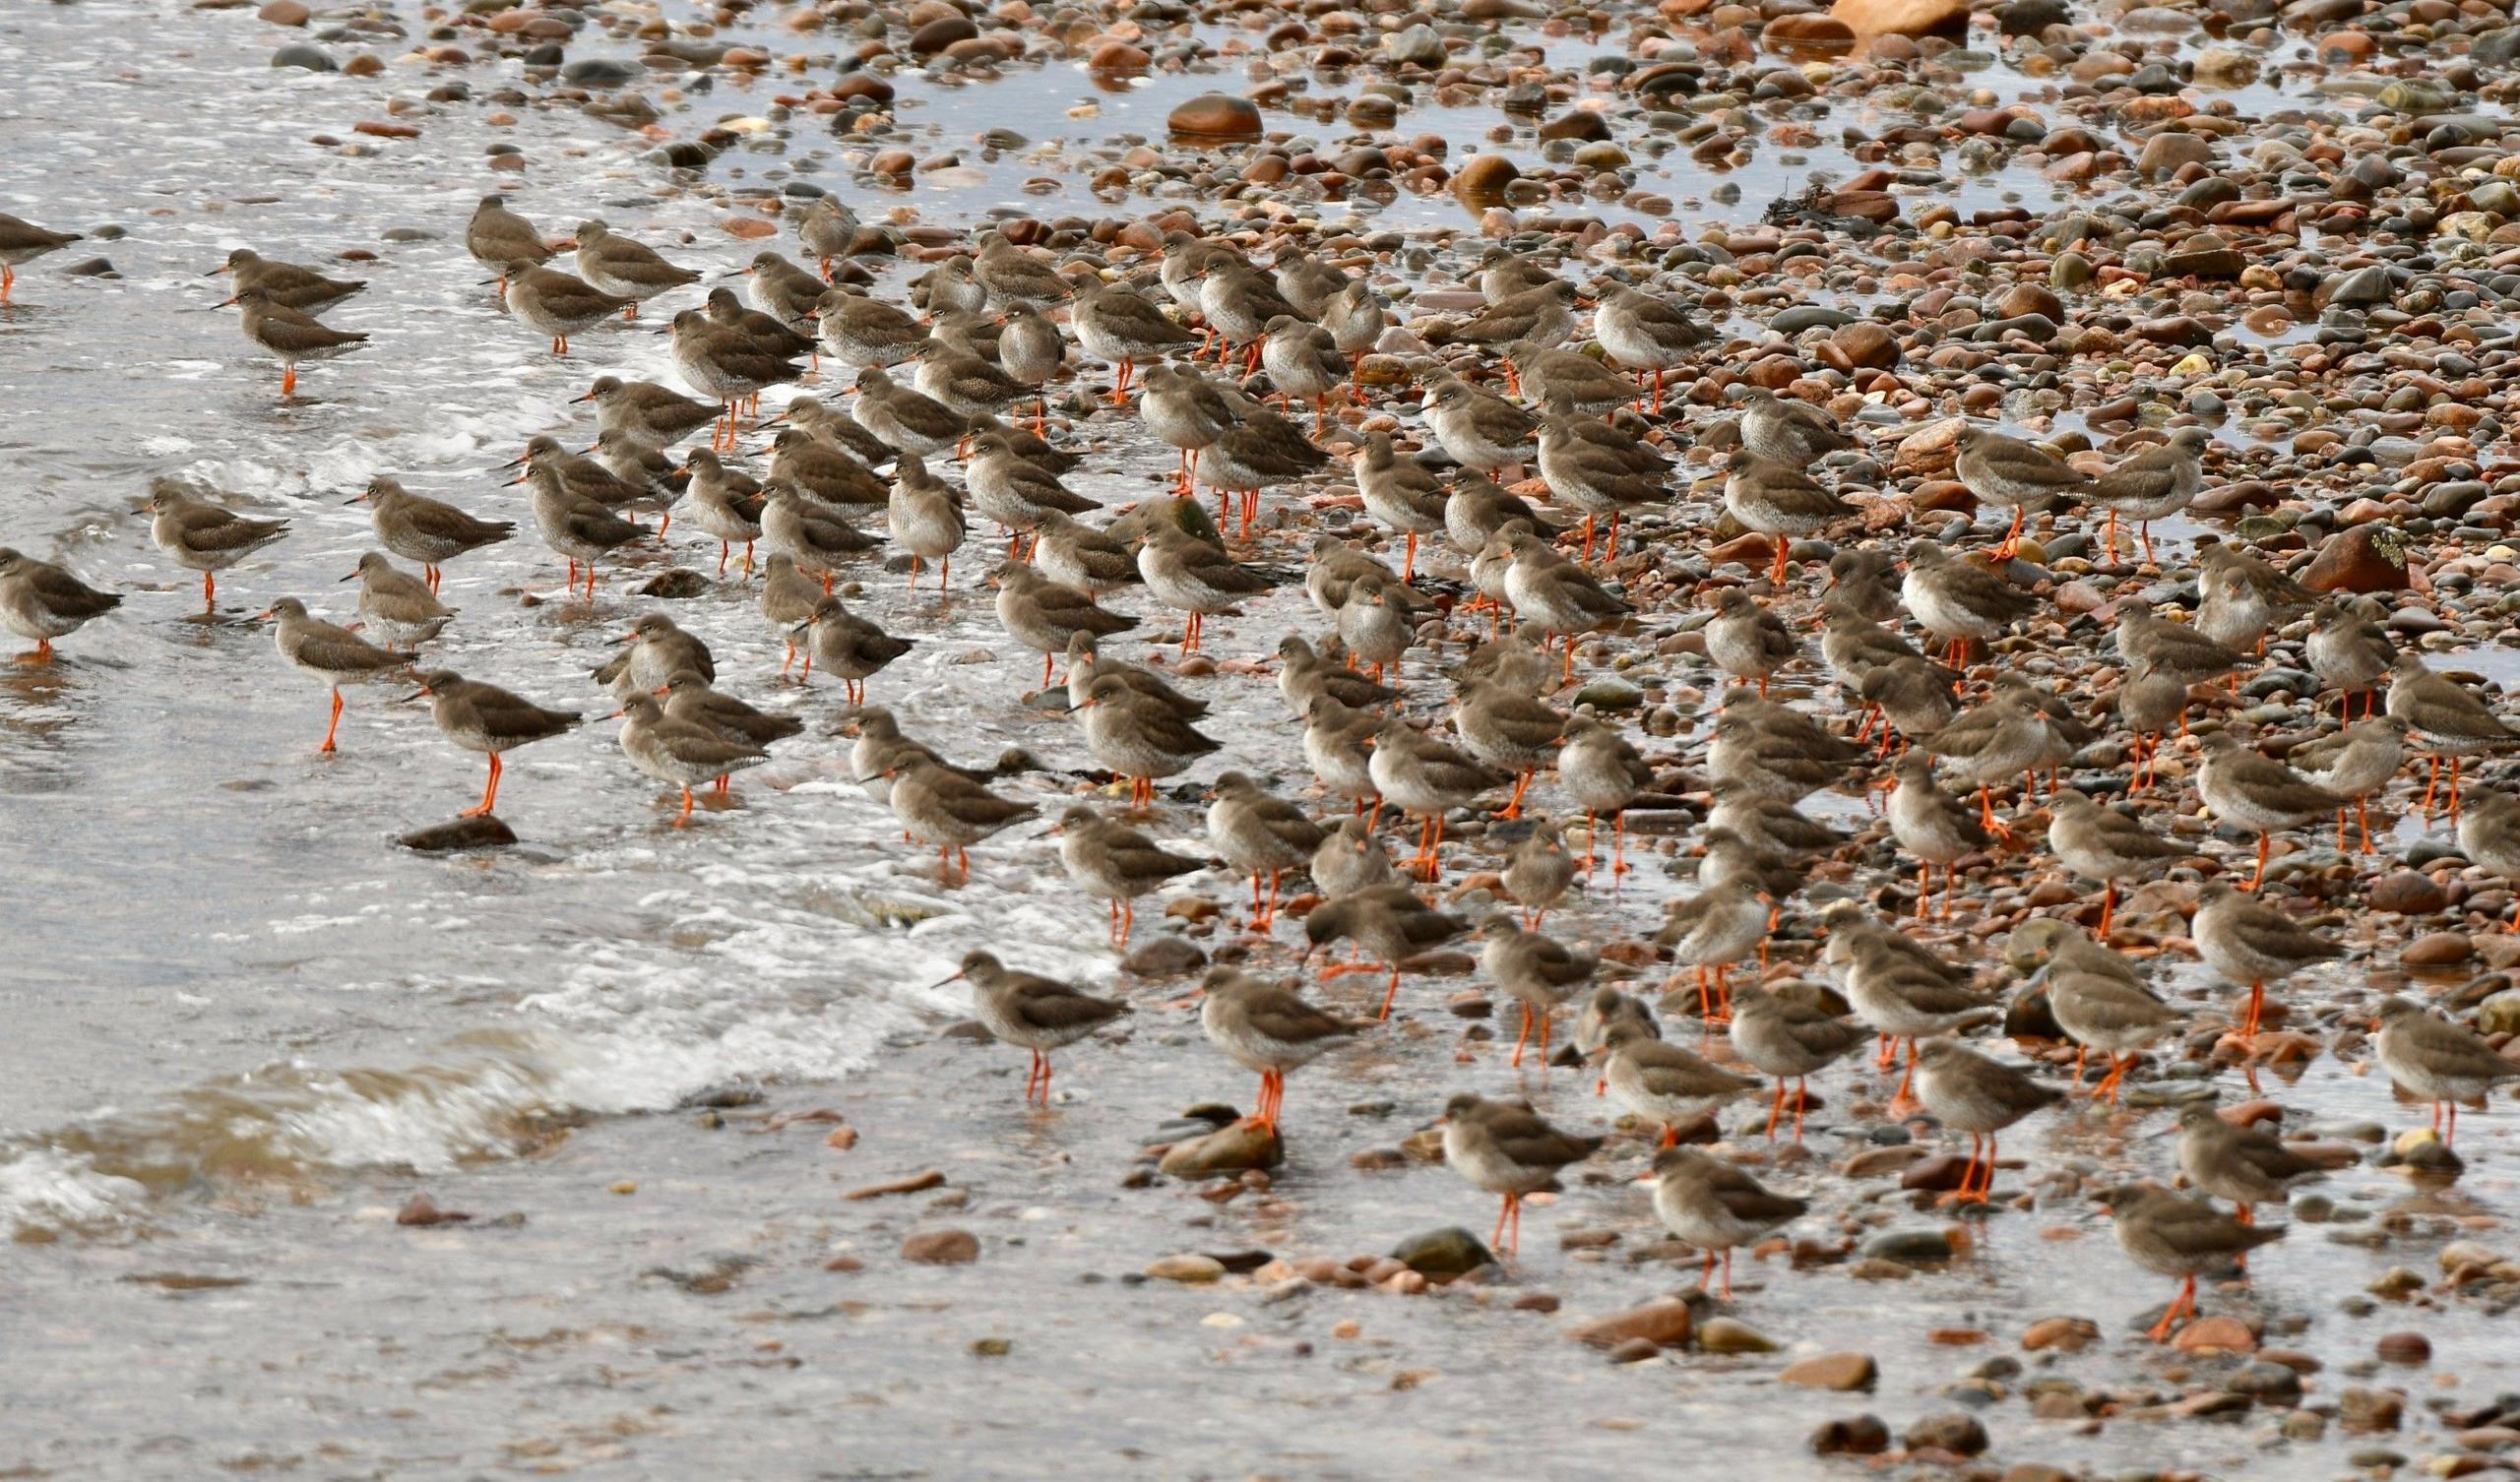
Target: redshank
{"x":1121,"y":326}
{"x":1479,"y":431}
{"x":2355,"y":763}
{"x":1193,"y":577}
{"x":1137,"y":738}
{"x":1747,"y":641}
{"x":2445,"y":718}
{"x":1598,"y":468}
{"x":22,"y":241}
{"x":682,"y":752}
{"x":2490,"y":835}
{"x":1538,"y":872}
{"x":396,"y":606}
{"x":1109,"y":859}
{"x":2004,"y":470}
{"x":847,"y":646}
{"x":430,"y":531}
{"x":2175,"y":1236}
{"x":2151,"y":485}
{"x":725,"y":502}
{"x":205,"y":537}
{"x":948,"y":809}
{"x":2241,"y":598}
{"x":1792,"y":434}
{"x":1779,"y":502}
{"x":498,"y":239}
{"x":625,"y":269}
{"x":2246,"y":1164}
{"x":1717,"y":1207}
{"x":43,"y":601}
{"x":1968,"y":1092}
{"x":2349,"y":650}
{"x":2438,"y":1062}
{"x":1539,"y":973}
{"x":1389,"y":923}
{"x":1645,"y":332}
{"x":1425,"y":778}
{"x":559,"y":304}
{"x":1714,"y":929}
{"x":1032,"y":1013}
{"x":1658,"y":1083}
{"x":2107,"y":846}
{"x":1259,"y":834}
{"x":483,"y":718}
{"x":1504,"y":1147}
{"x":2248,"y":940}
{"x":1269,"y":1027}
{"x":925,"y":514}
{"x":2243,"y":786}
{"x":657,"y":416}
{"x":1960,"y":600}
{"x":1604,"y":774}
{"x":332,"y":655}
{"x":291,"y":335}
{"x":286,"y":284}
{"x":1086,"y":664}
{"x":1787,"y":1038}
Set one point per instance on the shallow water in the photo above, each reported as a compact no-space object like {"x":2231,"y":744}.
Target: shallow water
{"x":244,"y":1027}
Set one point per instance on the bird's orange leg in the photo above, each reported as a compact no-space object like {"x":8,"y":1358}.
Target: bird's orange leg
{"x":2180,"y":1305}
{"x":489,"y":792}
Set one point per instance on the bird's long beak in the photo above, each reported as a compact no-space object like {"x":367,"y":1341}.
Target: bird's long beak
{"x":357,"y":498}
{"x":588,"y":397}
{"x":940,"y":982}
{"x":263,"y":616}
{"x":422,"y":693}
{"x":217,"y":272}
{"x":616,"y":714}
{"x":353,"y":576}
{"x":627,"y":637}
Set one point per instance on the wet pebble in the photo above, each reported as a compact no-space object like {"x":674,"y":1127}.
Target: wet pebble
{"x":946,"y":1247}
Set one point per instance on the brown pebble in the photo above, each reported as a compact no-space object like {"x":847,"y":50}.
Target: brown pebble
{"x":2405,"y":1348}
{"x":926,"y":1178}
{"x":947,"y":1247}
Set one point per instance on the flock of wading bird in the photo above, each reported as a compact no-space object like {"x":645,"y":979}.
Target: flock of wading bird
{"x":987,"y":331}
